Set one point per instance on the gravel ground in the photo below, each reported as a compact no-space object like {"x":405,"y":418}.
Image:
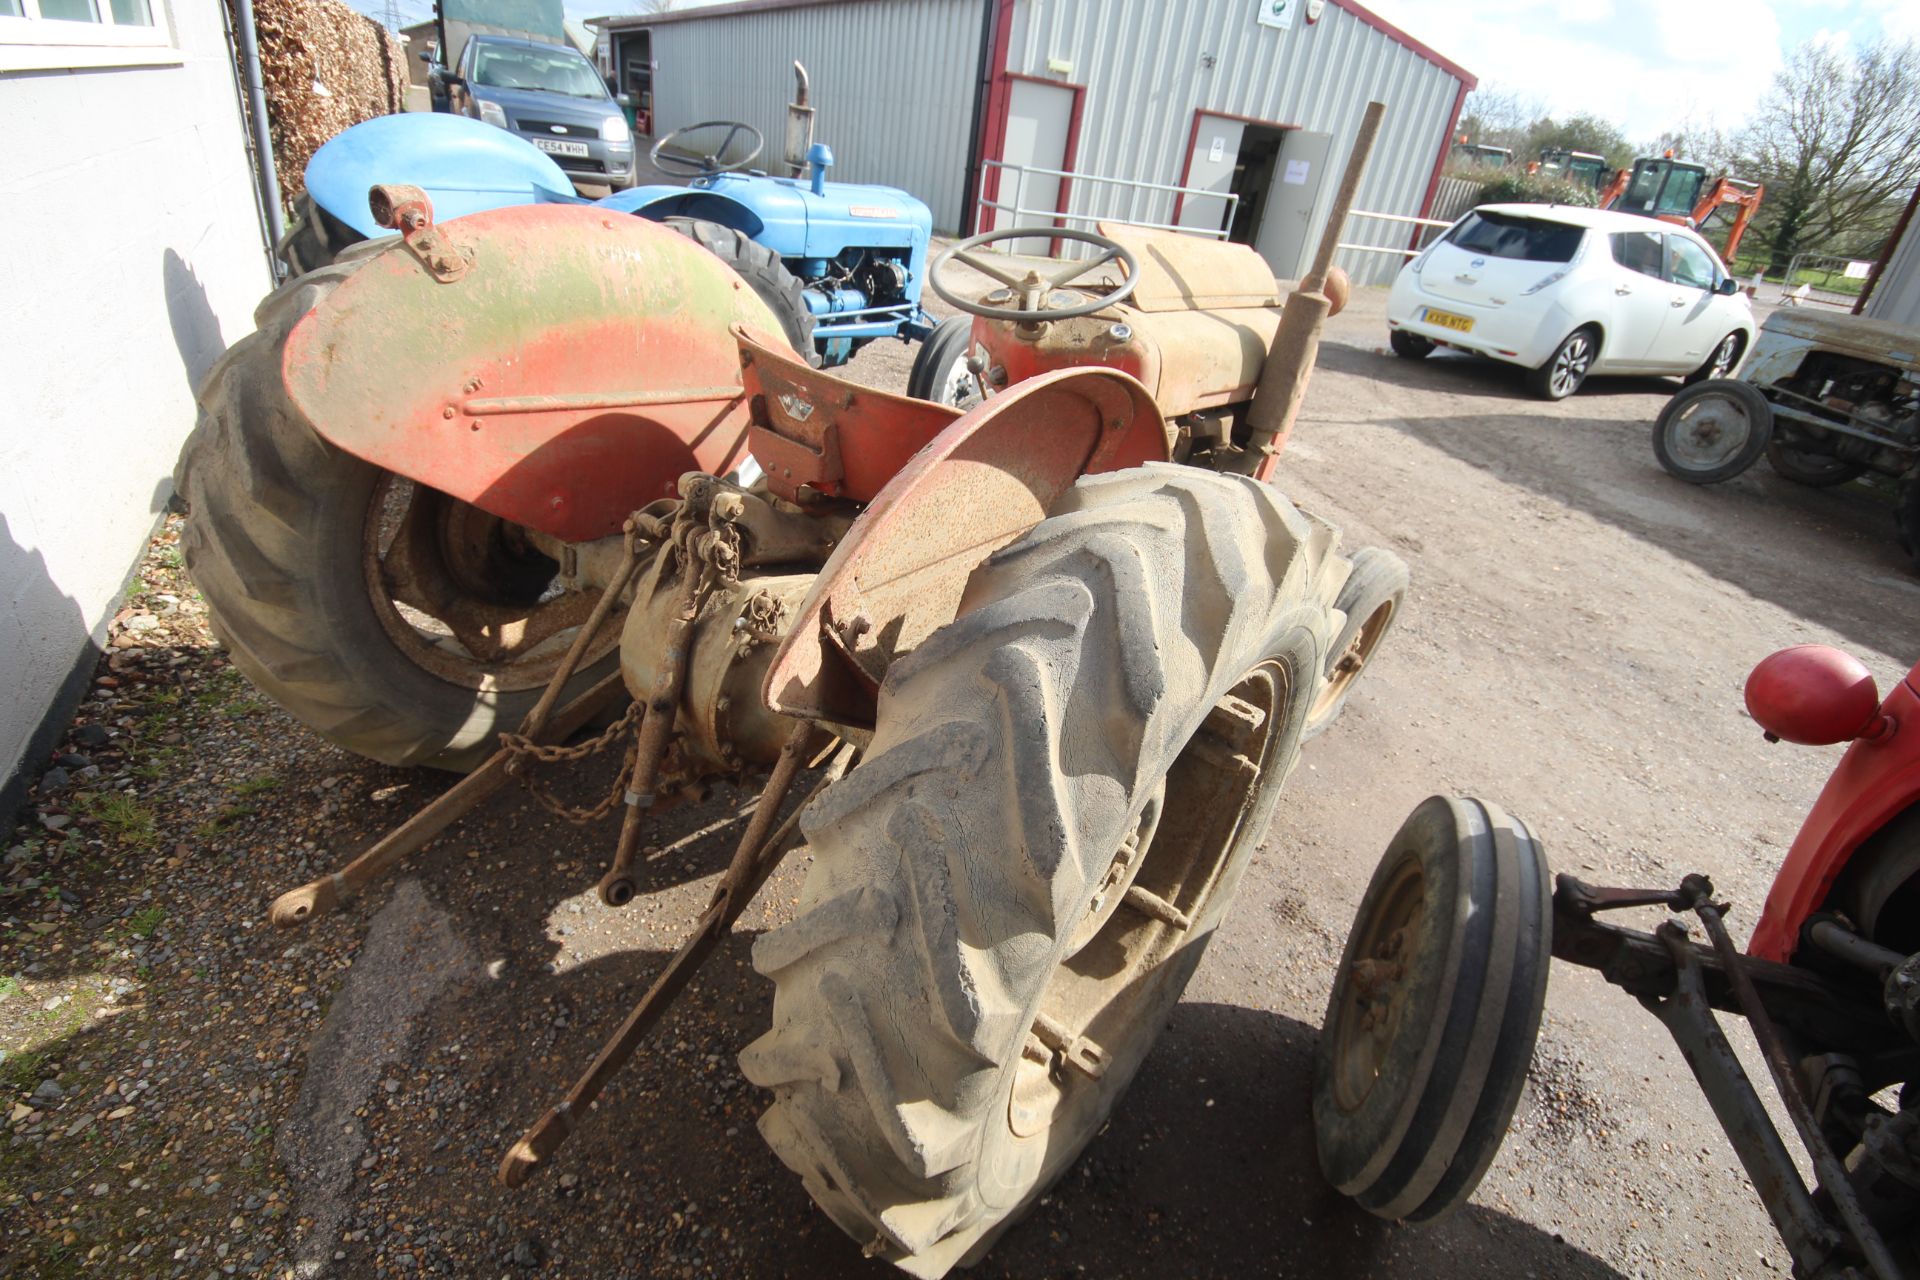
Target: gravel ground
{"x":190,"y":1093}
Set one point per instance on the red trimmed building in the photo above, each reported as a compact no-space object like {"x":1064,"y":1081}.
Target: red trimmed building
{"x":1209,"y":114}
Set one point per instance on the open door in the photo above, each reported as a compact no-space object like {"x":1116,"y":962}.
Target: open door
{"x":1286,"y":219}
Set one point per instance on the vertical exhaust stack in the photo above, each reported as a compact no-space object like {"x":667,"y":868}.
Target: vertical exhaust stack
{"x":1283,"y":379}
{"x":799,"y":124}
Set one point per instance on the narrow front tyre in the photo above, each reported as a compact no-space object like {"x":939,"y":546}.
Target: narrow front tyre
{"x":1712,"y":431}
{"x":1434,"y":1011}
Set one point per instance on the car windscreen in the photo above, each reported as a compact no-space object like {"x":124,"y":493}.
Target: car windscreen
{"x":1507,"y":235}
{"x":561,"y":71}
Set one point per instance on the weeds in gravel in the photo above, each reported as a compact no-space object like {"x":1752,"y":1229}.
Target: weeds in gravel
{"x":9,"y":986}
{"x":120,"y":814}
{"x":144,"y":922}
{"x":255,"y":786}
{"x":22,"y":1071}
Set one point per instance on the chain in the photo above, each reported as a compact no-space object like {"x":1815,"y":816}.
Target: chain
{"x":717,"y":560}
{"x":523,"y":748}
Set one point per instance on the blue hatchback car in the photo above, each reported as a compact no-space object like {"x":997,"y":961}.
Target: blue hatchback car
{"x":552,"y":97}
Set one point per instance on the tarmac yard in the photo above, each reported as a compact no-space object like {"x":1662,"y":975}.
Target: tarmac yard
{"x":231,"y":1100}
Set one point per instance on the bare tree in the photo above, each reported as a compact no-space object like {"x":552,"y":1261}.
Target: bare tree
{"x":1834,"y":142}
{"x":1499,"y":117}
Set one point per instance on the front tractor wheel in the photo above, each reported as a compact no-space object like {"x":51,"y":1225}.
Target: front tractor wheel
{"x":395,"y":621}
{"x":1010,"y":892}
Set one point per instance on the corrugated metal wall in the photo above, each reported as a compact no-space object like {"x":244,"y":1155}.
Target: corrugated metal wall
{"x":1145,"y":67}
{"x":893,"y":86}
{"x":1896,"y":295}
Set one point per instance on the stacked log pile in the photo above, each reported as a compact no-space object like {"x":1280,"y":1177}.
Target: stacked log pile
{"x":325,"y":68}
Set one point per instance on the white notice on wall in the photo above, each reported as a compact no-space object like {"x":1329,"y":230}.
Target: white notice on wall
{"x":1275,"y":13}
{"x":1218,"y":151}
{"x":1296,"y":174}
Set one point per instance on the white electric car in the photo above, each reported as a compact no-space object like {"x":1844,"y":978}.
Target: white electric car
{"x":1567,"y":292}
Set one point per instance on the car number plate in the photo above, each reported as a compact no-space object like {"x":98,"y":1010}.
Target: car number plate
{"x":1448,"y":320}
{"x":559,"y":147}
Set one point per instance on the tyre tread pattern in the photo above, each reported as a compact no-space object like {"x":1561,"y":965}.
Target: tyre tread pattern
{"x":1009,"y":755}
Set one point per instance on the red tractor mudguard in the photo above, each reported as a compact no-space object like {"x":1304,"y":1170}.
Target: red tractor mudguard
{"x":574,"y":369}
{"x":983,"y":481}
{"x":1877,"y":779}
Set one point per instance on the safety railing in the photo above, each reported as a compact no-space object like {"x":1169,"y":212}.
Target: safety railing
{"x":1393,"y":217}
{"x":1019,"y":212}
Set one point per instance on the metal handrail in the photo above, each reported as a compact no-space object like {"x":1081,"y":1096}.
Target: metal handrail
{"x":1018,"y":210}
{"x":1393,"y":217}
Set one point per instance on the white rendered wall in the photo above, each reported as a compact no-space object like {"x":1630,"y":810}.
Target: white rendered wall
{"x":132,"y":256}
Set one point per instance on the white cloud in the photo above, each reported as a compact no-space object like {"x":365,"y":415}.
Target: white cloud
{"x":1648,"y":65}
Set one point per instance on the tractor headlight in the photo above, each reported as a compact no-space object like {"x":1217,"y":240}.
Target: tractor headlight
{"x":491,"y":112}
{"x":614,"y":129}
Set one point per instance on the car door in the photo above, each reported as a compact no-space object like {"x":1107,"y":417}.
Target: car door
{"x":1694,"y":322}
{"x":1640,"y":296}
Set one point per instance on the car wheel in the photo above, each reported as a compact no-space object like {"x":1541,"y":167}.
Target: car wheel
{"x":1567,"y":367}
{"x":1712,"y":431}
{"x":1721,"y":364}
{"x":1410,"y":346}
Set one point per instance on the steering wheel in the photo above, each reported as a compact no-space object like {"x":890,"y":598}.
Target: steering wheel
{"x":1033,"y":289}
{"x":701,"y":163}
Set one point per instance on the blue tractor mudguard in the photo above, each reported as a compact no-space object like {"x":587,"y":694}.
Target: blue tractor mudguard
{"x":464,"y":165}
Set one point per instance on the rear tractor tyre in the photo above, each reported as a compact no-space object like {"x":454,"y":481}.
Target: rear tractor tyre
{"x":1434,"y":1011}
{"x":1567,"y":368}
{"x":1010,"y":892}
{"x":1409,"y":346}
{"x":1371,"y":601}
{"x":295,"y":545}
{"x":763,"y":271}
{"x":940,"y":372}
{"x":1815,"y":470}
{"x":1712,"y":431}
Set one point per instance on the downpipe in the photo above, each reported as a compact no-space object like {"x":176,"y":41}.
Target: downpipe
{"x":268,"y":175}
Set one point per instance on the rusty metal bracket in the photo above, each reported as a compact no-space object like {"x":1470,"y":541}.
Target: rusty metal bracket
{"x":408,"y":210}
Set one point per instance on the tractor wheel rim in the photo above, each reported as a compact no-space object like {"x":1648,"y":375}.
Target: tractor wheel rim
{"x":1347,"y":668}
{"x":1708,"y":433}
{"x":429,"y":562}
{"x":1084,"y":1012}
{"x":1375,"y":997}
{"x":957,"y":389}
{"x":1570,"y":366}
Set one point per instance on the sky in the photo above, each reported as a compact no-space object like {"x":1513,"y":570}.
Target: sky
{"x":1647,"y":65}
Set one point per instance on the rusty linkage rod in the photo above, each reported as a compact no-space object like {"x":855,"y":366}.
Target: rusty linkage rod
{"x":760,"y":850}
{"x":543,"y":723}
{"x":1832,"y":1173}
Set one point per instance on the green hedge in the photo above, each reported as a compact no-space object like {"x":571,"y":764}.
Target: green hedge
{"x":1535,"y":188}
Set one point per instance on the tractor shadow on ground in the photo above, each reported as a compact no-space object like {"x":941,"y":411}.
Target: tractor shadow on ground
{"x":1208,"y":1167}
{"x":1829,"y":556}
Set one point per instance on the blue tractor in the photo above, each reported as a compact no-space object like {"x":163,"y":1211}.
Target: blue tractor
{"x":840,"y":264}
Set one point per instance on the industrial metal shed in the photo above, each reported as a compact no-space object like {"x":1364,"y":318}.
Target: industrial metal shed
{"x":1003,"y":111}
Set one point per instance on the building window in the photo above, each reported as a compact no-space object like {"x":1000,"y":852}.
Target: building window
{"x":52,"y":35}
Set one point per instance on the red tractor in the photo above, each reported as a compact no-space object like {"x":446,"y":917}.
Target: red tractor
{"x":1433,"y":1014}
{"x":1049,"y":660}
